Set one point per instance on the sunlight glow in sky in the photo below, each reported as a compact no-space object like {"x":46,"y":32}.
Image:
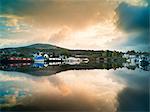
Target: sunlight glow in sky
{"x":75,"y":24}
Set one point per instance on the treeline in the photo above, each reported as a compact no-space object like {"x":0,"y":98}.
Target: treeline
{"x":102,"y":53}
{"x":133,"y":52}
{"x":28,"y":52}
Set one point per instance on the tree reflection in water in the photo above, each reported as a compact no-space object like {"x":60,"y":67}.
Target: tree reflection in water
{"x":73,"y":88}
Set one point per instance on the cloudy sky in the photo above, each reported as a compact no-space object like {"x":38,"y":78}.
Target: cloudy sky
{"x":76,"y":24}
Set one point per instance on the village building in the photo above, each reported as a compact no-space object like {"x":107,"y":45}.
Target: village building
{"x":38,"y":59}
{"x":72,"y":61}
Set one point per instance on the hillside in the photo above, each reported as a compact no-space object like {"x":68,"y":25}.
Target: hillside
{"x":42,"y":46}
{"x":27,"y":51}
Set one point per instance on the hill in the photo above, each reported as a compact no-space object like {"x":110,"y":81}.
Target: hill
{"x":42,"y":46}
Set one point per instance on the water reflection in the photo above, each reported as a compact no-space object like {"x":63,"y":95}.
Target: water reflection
{"x":70,"y":90}
{"x":84,"y":90}
{"x":50,"y":68}
{"x":135,"y":97}
{"x":104,"y":87}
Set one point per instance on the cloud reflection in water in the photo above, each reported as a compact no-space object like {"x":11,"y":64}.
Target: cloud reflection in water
{"x":94,"y":90}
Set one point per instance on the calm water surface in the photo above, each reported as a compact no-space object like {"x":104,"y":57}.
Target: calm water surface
{"x":80,"y":90}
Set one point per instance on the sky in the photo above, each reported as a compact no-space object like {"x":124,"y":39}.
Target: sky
{"x":76,"y":24}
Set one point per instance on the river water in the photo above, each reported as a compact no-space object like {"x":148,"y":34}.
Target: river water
{"x":102,"y":90}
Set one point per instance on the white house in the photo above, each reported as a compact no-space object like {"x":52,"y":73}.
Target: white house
{"x":72,"y":61}
{"x":132,"y":59}
{"x":54,"y":63}
{"x":55,"y":59}
{"x":126,"y":56}
{"x":46,"y":56}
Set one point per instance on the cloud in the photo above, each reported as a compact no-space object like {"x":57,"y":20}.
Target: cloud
{"x":60,"y":35}
{"x":62,"y":21}
{"x":11,"y":26}
{"x":51,"y":20}
{"x":43,"y":13}
{"x":134,"y":20}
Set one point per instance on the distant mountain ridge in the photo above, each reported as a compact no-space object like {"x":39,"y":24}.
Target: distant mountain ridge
{"x":43,"y":46}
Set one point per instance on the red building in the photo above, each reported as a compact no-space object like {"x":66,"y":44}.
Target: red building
{"x":19,"y":59}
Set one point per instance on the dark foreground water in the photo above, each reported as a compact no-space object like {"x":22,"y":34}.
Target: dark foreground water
{"x":120,"y":90}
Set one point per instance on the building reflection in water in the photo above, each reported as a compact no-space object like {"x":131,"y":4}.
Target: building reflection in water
{"x":84,"y":86}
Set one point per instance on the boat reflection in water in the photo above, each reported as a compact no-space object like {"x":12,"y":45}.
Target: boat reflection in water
{"x":103,"y":87}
